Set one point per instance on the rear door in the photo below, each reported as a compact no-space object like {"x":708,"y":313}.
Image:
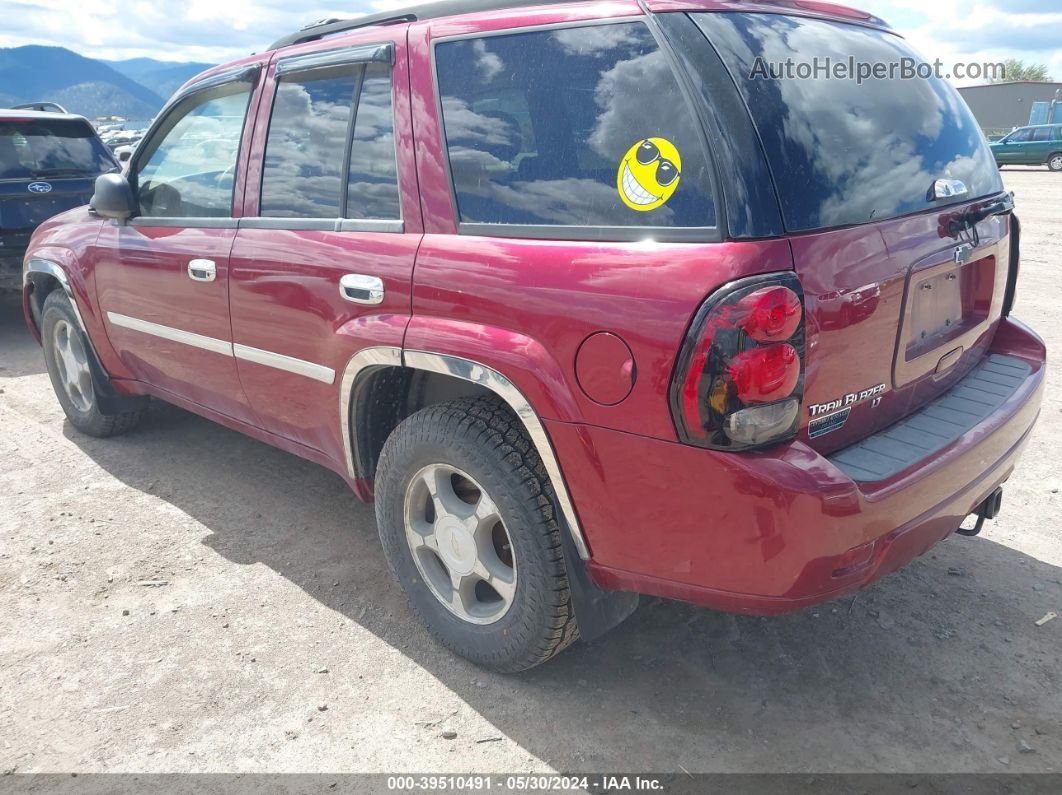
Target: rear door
{"x":163,"y":277}
{"x":897,"y":307}
{"x":1043,"y":140}
{"x":323,"y":260}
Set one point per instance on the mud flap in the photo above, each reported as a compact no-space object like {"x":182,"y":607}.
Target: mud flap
{"x":109,"y":401}
{"x":596,"y":610}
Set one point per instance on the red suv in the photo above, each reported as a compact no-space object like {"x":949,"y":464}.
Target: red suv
{"x":591,"y":299}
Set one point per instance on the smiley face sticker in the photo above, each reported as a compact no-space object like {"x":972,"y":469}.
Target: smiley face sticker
{"x":649,"y":174}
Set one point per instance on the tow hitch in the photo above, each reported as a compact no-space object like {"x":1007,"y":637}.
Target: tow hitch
{"x":989,"y":509}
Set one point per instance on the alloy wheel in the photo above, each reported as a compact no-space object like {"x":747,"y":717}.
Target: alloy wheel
{"x":72,"y":362}
{"x":460,"y":544}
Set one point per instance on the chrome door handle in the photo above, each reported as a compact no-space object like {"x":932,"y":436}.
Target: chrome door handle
{"x":202,"y":270}
{"x":360,"y":289}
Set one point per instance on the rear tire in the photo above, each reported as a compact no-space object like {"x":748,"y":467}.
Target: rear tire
{"x":461,"y":492}
{"x":1054,"y":161}
{"x":70,"y":364}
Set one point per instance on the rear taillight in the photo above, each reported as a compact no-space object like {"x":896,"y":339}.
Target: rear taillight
{"x":740,"y":374}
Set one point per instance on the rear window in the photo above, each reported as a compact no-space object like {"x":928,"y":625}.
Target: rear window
{"x":844,"y":153}
{"x":38,"y":148}
{"x":577,"y":126}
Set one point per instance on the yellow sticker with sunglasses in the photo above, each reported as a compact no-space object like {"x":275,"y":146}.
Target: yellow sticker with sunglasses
{"x":649,"y":174}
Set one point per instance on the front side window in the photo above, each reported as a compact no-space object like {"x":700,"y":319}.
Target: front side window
{"x":304,"y":175}
{"x":1020,"y":136}
{"x":580,"y":126}
{"x":189,"y":168}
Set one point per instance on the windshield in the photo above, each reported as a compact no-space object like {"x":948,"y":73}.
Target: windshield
{"x":37,"y":148}
{"x":844,"y":152}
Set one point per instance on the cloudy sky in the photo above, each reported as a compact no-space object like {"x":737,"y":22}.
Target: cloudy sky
{"x":218,"y":30}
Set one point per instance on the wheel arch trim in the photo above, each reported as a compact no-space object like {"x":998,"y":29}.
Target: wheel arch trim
{"x":53,"y":269}
{"x":365,"y":361}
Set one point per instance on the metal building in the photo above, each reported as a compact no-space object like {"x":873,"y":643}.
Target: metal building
{"x":1000,"y":107}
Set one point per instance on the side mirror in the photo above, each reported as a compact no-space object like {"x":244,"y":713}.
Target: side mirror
{"x":113,"y":197}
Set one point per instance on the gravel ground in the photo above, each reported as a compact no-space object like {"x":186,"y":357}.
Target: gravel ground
{"x":186,"y":599}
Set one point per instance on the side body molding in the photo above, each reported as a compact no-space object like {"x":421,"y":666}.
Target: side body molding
{"x":372,"y":358}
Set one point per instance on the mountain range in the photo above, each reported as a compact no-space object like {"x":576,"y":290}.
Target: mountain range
{"x":134,"y":89}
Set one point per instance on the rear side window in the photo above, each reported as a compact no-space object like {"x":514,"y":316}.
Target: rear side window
{"x":1043,"y":134}
{"x":841,"y":152}
{"x":308,"y":172}
{"x":580,"y":126}
{"x":40,"y":148}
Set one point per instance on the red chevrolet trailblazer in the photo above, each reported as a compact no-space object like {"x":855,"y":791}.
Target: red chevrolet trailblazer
{"x":590,"y":300}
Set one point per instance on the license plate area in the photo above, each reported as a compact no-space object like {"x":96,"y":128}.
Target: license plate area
{"x":947,"y":306}
{"x":948,"y":301}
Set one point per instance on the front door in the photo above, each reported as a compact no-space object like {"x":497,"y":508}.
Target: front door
{"x":163,"y":277}
{"x":322,"y":264}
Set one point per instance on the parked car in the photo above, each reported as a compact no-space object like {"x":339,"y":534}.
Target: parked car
{"x":1037,"y":145}
{"x":48,"y":164}
{"x":562,"y":288}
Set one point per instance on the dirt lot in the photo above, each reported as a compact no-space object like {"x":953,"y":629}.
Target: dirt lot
{"x":278,"y":642}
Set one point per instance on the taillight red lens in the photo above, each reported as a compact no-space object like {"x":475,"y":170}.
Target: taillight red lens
{"x":771,"y":314}
{"x":739,"y":379}
{"x":764,"y":375}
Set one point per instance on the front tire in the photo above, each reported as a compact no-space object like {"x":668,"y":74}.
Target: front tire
{"x":468,"y":524}
{"x":68,"y":358}
{"x":1054,"y":162}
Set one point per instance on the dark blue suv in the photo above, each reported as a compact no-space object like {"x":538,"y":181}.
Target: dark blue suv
{"x":48,"y":163}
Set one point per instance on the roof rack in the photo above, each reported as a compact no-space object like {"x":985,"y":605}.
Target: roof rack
{"x":320,"y":30}
{"x":442,"y":8}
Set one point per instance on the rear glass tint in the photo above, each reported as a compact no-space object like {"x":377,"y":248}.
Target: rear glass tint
{"x":302,"y":175}
{"x":41,"y":148}
{"x":579,"y":126}
{"x":841,"y":152}
{"x":372,"y":185}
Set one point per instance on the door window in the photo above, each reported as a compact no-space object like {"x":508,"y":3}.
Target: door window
{"x":303,"y":171}
{"x":579,"y":126}
{"x":308,"y":172}
{"x":1020,"y":136}
{"x":188,"y":169}
{"x":1042,"y":134}
{"x":372,"y":184}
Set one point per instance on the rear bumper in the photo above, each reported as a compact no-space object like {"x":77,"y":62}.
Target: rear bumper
{"x":774,"y":532}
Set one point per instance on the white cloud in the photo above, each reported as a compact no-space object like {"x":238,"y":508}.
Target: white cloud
{"x":960,"y":31}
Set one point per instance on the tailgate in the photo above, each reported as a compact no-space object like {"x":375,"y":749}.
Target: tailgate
{"x":896,"y":315}
{"x":868,"y":174}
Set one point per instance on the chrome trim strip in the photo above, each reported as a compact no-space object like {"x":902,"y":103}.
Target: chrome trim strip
{"x":507,"y":391}
{"x":278,"y":361}
{"x":361,"y":362}
{"x":52,"y":269}
{"x":172,"y":334}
